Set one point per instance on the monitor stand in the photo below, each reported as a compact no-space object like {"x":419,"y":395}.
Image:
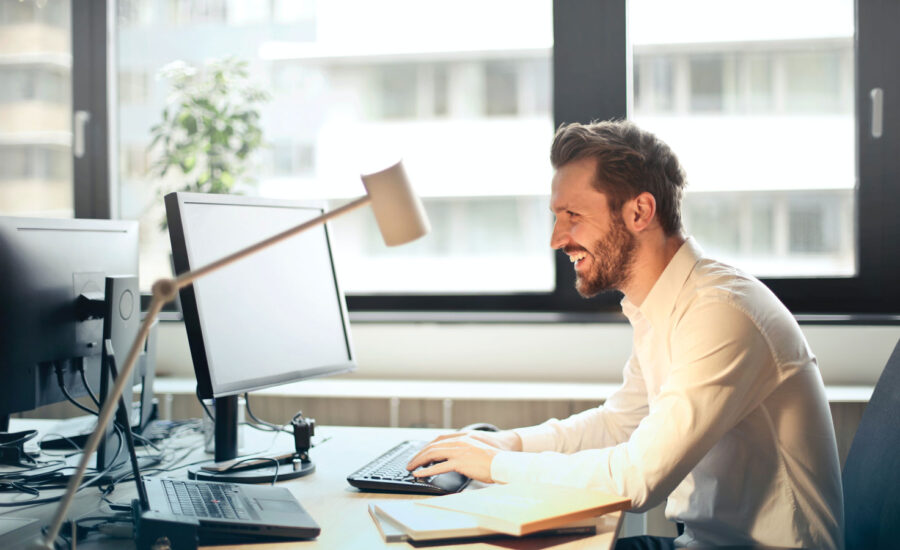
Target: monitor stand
{"x":227,"y":469}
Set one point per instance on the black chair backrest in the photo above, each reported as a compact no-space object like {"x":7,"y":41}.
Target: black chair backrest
{"x":871,"y":475}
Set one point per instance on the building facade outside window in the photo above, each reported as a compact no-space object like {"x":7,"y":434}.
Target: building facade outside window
{"x":762,"y":117}
{"x":35,"y":109}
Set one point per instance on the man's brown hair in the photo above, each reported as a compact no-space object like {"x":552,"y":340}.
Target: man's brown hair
{"x":630,"y":161}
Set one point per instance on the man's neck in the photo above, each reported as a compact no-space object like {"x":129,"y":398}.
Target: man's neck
{"x":651,"y":258}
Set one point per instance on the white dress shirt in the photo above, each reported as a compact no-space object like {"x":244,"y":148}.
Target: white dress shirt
{"x":722,"y":410}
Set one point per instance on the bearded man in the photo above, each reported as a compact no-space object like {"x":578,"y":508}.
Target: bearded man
{"x":722,"y":410}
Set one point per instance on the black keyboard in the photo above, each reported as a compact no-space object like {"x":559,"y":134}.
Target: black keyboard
{"x":204,"y":500}
{"x":388,"y":473}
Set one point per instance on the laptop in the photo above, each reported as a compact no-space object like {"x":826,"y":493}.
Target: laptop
{"x":213,"y":512}
{"x":230,"y":512}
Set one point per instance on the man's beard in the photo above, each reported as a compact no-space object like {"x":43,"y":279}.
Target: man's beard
{"x":611,"y":261}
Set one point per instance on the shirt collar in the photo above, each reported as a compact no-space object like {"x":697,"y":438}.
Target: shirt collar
{"x":661,"y":299}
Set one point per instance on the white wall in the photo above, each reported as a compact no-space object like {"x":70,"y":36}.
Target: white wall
{"x":535,"y":352}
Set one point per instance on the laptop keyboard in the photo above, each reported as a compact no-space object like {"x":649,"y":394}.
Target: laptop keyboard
{"x":204,"y":499}
{"x":388,"y":473}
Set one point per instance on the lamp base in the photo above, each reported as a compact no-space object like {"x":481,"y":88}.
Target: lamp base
{"x":266,"y":473}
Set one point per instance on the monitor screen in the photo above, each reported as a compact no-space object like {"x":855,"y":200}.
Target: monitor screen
{"x":45,"y":264}
{"x":274,"y":317}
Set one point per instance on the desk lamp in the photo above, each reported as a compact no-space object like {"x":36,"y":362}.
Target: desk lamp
{"x":400,"y":218}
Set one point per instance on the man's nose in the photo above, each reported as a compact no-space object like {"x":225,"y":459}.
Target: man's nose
{"x":559,"y":236}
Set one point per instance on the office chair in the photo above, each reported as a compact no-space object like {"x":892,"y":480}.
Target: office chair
{"x":871,"y":476}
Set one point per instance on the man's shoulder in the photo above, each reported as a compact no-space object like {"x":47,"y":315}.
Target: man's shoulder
{"x":728,"y":299}
{"x":712,"y":280}
{"x":732,"y":294}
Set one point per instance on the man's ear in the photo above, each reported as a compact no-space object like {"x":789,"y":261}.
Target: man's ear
{"x":640,"y":212}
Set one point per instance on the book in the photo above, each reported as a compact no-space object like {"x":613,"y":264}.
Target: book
{"x":388,"y":530}
{"x":523,"y":508}
{"x":423,"y":523}
{"x":426,"y":523}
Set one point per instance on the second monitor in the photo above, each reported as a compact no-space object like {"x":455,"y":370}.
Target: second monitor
{"x":270,"y":319}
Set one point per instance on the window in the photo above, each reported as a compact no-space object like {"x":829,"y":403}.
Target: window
{"x":398,"y":91}
{"x":35,"y":109}
{"x":770,"y":112}
{"x":813,"y":213}
{"x":134,"y":162}
{"x":134,"y":87}
{"x":286,"y":158}
{"x":501,"y":89}
{"x":469,"y":111}
{"x":707,"y":78}
{"x":34,"y":82}
{"x":763,"y":109}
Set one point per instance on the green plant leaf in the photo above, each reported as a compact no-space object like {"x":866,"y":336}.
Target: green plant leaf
{"x":209,"y":126}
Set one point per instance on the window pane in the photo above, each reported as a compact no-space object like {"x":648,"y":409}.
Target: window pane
{"x":759,"y":109}
{"x":352,"y":80}
{"x":35,"y":109}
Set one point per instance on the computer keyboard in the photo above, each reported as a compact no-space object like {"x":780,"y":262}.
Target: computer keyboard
{"x":388,"y":473}
{"x":204,"y":500}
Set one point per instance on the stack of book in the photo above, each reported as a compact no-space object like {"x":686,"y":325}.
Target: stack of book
{"x":497,"y":510}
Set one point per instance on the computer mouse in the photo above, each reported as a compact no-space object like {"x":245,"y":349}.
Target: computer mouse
{"x":483,"y":426}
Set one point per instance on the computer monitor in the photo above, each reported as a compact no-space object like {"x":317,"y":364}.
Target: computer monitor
{"x":273,"y":318}
{"x":47,"y":268}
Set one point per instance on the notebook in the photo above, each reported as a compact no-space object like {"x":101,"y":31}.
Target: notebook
{"x":523,"y":508}
{"x":400,"y":520}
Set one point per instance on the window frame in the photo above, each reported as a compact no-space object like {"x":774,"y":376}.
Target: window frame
{"x":586,"y":87}
{"x":92,"y":60}
{"x":595,"y":87}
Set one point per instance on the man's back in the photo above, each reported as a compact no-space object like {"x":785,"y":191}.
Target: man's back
{"x":775,"y":474}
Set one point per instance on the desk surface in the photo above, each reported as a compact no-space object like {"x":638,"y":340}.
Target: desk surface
{"x":339,"y":509}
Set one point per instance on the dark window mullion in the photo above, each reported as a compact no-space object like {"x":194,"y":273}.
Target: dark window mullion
{"x":879,"y":158}
{"x":89,"y":94}
{"x":590,"y":82}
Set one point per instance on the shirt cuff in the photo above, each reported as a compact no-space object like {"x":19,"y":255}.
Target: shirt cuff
{"x":536,"y":439}
{"x":509,"y":466}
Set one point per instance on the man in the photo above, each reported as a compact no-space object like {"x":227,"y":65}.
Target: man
{"x":722,"y":410}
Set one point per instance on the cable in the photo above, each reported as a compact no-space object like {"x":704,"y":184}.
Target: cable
{"x":96,"y":401}
{"x":270,"y":459}
{"x":111,"y":525}
{"x":62,"y":386}
{"x":265,"y":428}
{"x":272,"y":427}
{"x":87,"y":386}
{"x":84,"y":484}
{"x":145,"y":441}
{"x":202,"y":404}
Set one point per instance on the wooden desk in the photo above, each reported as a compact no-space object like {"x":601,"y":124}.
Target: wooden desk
{"x":339,"y":509}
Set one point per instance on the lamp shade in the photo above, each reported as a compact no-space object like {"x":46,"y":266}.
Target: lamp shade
{"x":398,"y":211}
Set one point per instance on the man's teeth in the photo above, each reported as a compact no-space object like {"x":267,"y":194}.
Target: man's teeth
{"x":575,"y":257}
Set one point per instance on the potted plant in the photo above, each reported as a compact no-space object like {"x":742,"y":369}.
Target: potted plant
{"x":210,"y":127}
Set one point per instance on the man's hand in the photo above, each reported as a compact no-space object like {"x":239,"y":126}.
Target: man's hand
{"x":469,"y":453}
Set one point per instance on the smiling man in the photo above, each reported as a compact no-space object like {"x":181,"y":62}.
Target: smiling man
{"x":722,"y":410}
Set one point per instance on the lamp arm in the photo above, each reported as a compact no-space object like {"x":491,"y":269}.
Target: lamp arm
{"x":188,"y":277}
{"x":106,"y":413}
{"x":164,"y":291}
